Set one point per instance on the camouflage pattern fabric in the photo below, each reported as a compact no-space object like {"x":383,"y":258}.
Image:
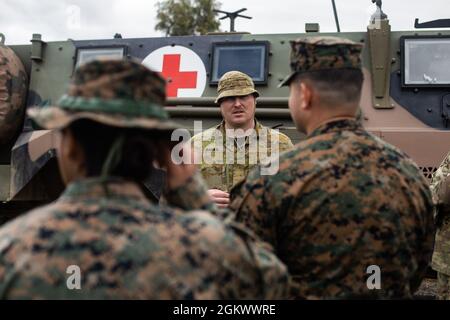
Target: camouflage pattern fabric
{"x":438,"y":177}
{"x":118,"y":79}
{"x":443,"y":286}
{"x":343,"y":200}
{"x":235,"y":84}
{"x":129,"y":248}
{"x":224,"y":176}
{"x":125,"y":246}
{"x":113,"y":92}
{"x":13,"y":90}
{"x":322,"y":53}
{"x":441,"y":255}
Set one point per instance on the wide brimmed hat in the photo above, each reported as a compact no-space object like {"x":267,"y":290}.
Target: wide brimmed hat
{"x":119,"y":93}
{"x":235,"y":84}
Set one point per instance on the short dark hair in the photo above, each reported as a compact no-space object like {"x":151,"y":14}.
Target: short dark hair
{"x":138,"y":152}
{"x":336,"y":86}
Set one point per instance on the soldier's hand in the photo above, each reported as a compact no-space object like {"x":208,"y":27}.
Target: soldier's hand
{"x":221,"y":198}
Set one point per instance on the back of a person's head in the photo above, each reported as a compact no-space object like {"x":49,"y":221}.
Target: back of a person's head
{"x":335,"y":86}
{"x":139,"y":149}
{"x":114,"y":110}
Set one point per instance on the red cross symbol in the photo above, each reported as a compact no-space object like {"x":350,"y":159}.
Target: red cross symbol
{"x":175,"y":78}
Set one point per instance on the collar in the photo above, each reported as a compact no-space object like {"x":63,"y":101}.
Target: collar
{"x":337,"y":125}
{"x":95,"y":188}
{"x":221,"y":127}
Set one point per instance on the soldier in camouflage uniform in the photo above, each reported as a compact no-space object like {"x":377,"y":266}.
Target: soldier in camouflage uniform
{"x":237,"y":100}
{"x":111,"y":128}
{"x":343,"y":199}
{"x":440,"y":188}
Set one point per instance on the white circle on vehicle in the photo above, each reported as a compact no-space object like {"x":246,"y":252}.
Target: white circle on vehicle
{"x":183,"y":69}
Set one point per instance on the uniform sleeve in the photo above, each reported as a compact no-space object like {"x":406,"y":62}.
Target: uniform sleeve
{"x":439,"y":189}
{"x":285,"y":143}
{"x":439,"y":176}
{"x":256,"y":206}
{"x":194,"y":196}
{"x":274,"y":280}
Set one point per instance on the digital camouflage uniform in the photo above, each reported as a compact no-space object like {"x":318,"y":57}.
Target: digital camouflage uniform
{"x":342,"y":200}
{"x":440,"y":187}
{"x":227,"y":173}
{"x":125,"y":245}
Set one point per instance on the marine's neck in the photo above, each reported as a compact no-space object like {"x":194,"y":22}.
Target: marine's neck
{"x":322,"y":117}
{"x":311,"y":128}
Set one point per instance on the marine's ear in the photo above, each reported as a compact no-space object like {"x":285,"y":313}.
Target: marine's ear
{"x":307,"y":94}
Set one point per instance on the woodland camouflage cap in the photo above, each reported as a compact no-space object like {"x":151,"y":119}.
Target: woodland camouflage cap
{"x":120,"y":93}
{"x":322,"y":53}
{"x":235,"y":84}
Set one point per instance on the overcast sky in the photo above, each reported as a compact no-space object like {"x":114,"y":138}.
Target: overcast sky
{"x":100,"y":19}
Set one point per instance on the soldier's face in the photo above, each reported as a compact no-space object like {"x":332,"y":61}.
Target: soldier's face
{"x":238,"y":112}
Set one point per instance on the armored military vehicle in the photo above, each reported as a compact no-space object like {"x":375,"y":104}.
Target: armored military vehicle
{"x":406,"y":97}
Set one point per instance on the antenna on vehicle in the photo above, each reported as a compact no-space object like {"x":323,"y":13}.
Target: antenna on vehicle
{"x":232,"y":16}
{"x":379,"y":14}
{"x":336,"y":18}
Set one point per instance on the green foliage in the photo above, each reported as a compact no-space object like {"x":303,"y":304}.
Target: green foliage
{"x":187,"y":17}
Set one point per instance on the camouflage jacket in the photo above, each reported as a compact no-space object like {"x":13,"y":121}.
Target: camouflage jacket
{"x":343,"y":200}
{"x":441,"y":254}
{"x":226,"y":173}
{"x":128,"y":248}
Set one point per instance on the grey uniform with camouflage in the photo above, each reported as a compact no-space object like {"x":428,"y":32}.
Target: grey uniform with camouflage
{"x":125,"y":245}
{"x":342,"y":200}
